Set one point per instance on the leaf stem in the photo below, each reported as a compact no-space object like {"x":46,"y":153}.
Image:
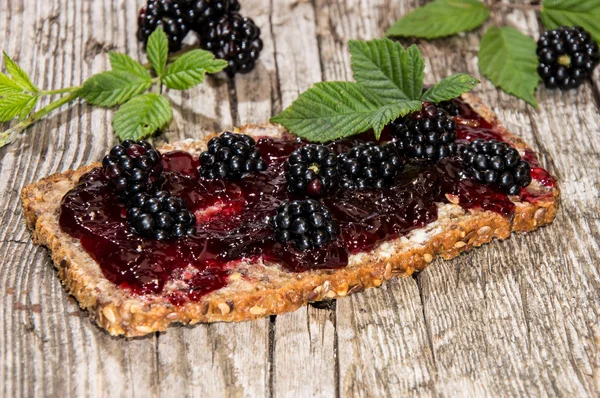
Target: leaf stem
{"x":8,"y":136}
{"x":61,"y":91}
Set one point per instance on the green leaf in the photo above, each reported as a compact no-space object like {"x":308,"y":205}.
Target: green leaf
{"x":142,"y":116}
{"x":12,"y":106}
{"x":508,"y":58}
{"x":124,"y":63}
{"x":584,"y":13}
{"x":19,"y":76}
{"x":112,"y":88}
{"x":28,"y":108}
{"x":387,"y":69}
{"x":158,"y":50}
{"x":8,"y":86}
{"x":390,"y":112}
{"x":191,"y":68}
{"x":441,"y":18}
{"x":332,"y":110}
{"x":450,"y":87}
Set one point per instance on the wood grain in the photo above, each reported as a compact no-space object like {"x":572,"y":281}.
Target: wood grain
{"x":516,"y":318}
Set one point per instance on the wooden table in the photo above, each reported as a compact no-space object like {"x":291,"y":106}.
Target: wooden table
{"x":514,"y":318}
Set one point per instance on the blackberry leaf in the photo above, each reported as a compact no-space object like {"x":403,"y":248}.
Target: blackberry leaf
{"x":19,"y":76}
{"x":191,"y":68}
{"x":450,"y":87}
{"x":441,"y":18}
{"x":113,"y":88}
{"x":28,"y":108}
{"x":158,"y":50}
{"x":508,"y":58}
{"x":388,"y":113}
{"x":8,"y":86}
{"x":12,"y":106}
{"x":387,"y":69}
{"x":584,"y":13}
{"x":124,"y":63}
{"x":332,"y":110}
{"x":142,"y":116}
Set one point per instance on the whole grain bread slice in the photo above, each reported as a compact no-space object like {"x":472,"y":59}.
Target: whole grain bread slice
{"x":258,"y":289}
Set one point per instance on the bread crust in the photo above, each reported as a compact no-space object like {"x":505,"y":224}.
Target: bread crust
{"x":257,"y":290}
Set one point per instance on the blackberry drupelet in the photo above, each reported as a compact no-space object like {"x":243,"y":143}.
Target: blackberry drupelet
{"x":231,"y":156}
{"x":368,"y":166}
{"x":426,"y":134}
{"x":133,"y":167}
{"x":567,"y":57}
{"x":311,"y":170}
{"x":166,"y":13}
{"x":199,"y":12}
{"x":306,"y":223}
{"x":450,"y":108}
{"x":235,"y":39}
{"x":160,"y":216}
{"x":497,"y":163}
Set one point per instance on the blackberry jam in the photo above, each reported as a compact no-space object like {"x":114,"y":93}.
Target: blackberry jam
{"x":232,"y":215}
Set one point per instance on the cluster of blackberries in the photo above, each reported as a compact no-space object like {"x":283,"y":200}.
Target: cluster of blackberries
{"x":231,"y":156}
{"x":369,"y":166}
{"x":160,"y":216}
{"x":497,"y":163}
{"x":567,"y":57}
{"x":306,"y":223}
{"x":222,"y":30}
{"x":133,"y":167}
{"x":312,"y":170}
{"x":427,"y":134}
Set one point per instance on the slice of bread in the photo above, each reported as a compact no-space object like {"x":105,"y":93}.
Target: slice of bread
{"x":258,"y":289}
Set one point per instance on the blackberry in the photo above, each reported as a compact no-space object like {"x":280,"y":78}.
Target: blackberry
{"x":306,"y":223}
{"x":133,"y":167}
{"x":567,"y":57}
{"x":451,"y":108}
{"x":497,"y":163}
{"x":166,"y":13}
{"x":199,"y":12}
{"x":235,"y":39}
{"x":231,"y":156}
{"x":160,"y":216}
{"x":368,"y":166}
{"x":426,"y":134}
{"x":311,"y":170}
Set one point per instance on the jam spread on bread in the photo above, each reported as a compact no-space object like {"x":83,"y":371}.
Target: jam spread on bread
{"x":233,"y":216}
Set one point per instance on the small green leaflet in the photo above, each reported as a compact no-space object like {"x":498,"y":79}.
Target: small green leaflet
{"x":8,"y":86}
{"x":441,"y":18}
{"x":584,"y":13}
{"x":450,"y":87}
{"x":124,"y":63}
{"x":142,"y":116}
{"x":389,"y":84}
{"x":387,"y":69}
{"x":113,"y":88}
{"x":158,"y":50}
{"x":28,"y":108}
{"x":19,"y":76}
{"x":12,"y":106}
{"x":191,"y":68}
{"x":508,"y":58}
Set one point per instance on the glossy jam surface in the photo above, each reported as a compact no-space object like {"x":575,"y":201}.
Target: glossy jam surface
{"x":232,"y":216}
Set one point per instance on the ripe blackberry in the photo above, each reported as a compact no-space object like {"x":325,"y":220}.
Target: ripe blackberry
{"x":231,"y":156}
{"x":160,"y":216}
{"x":311,"y":170}
{"x":368,"y":166}
{"x":306,"y":223}
{"x":567,"y":57}
{"x":497,"y":163}
{"x":166,"y":13}
{"x":450,"y":108}
{"x":199,"y":12}
{"x":426,"y":134}
{"x":235,"y":39}
{"x":133,"y":167}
